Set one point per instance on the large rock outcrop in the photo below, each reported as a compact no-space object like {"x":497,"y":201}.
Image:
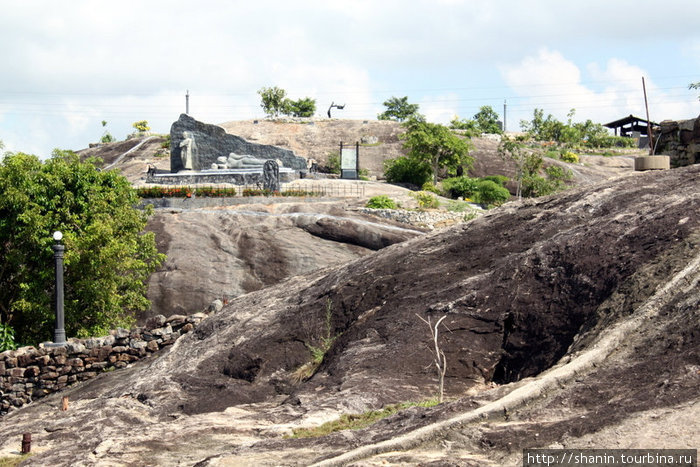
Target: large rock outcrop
{"x":211,"y":142}
{"x":579,"y":311}
{"x":224,"y":252}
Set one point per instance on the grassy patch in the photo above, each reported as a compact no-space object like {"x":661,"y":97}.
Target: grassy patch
{"x":12,"y":461}
{"x":357,"y":421}
{"x":458,"y":206}
{"x":318,"y":352}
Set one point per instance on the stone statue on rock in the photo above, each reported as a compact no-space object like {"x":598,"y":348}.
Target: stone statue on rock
{"x":213,"y":143}
{"x":238,"y":161}
{"x":187,"y":150}
{"x":271,"y":176}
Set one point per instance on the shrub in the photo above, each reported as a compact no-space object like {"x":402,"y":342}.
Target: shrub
{"x":141,"y":126}
{"x":7,"y":338}
{"x":381,"y":202}
{"x":426,"y":200}
{"x":609,"y":141}
{"x":431,"y":188}
{"x":107,"y":138}
{"x":500,"y":179}
{"x":457,"y":187}
{"x":570,"y":157}
{"x":407,"y":170}
{"x":490,"y":193}
{"x":333,"y":165}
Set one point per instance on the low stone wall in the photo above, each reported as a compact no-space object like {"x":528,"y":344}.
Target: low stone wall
{"x":29,"y":373}
{"x":428,"y":219}
{"x":681,"y":141}
{"x":213,"y":177}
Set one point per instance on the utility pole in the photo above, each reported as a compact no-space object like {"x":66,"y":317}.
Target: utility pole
{"x":187,"y":102}
{"x":505,"y":105}
{"x":646,"y":104}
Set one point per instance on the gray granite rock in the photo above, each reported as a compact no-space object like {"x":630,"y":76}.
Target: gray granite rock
{"x":207,"y":143}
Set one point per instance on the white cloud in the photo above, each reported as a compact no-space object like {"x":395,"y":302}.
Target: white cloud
{"x":71,"y":64}
{"x":441,"y":108}
{"x":556,"y":84}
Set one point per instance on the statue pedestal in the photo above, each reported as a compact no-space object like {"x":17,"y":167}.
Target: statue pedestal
{"x":643,"y":163}
{"x":213,"y":177}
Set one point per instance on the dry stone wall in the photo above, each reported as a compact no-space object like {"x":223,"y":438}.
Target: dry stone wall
{"x":428,"y":219}
{"x":681,"y":141}
{"x":30,"y":373}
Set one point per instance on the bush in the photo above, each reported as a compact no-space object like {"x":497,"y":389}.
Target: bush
{"x":490,"y":193}
{"x":570,"y":157}
{"x":407,"y":170}
{"x":107,"y":138}
{"x":534,"y":185}
{"x":381,"y":202}
{"x":7,"y":338}
{"x":608,"y":141}
{"x":500,"y":179}
{"x":333,"y":165}
{"x":431,"y":188}
{"x":426,"y":200}
{"x":457,"y":187}
{"x":141,"y":126}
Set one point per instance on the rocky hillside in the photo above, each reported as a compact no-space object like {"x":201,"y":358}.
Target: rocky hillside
{"x":571,"y":321}
{"x":317,"y":139}
{"x":223,"y":252}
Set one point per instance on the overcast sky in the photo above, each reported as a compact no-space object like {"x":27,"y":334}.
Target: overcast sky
{"x":69,"y":65}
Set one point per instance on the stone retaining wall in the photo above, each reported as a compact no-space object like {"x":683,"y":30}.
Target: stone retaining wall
{"x":429,"y":219}
{"x":29,"y":373}
{"x":681,"y":141}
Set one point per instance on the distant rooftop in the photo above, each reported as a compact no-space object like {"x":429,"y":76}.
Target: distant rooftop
{"x":629,"y":124}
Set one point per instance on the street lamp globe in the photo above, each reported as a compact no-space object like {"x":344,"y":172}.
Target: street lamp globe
{"x":58,"y":235}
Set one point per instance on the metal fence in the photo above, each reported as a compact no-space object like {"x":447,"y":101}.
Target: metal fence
{"x":344,"y":189}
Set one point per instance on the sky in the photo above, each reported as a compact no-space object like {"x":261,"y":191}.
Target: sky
{"x":69,"y":65}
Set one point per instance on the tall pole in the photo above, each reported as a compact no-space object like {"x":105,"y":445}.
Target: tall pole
{"x":646,"y":104}
{"x":59,"y":335}
{"x":504,"y":115}
{"x":187,"y":102}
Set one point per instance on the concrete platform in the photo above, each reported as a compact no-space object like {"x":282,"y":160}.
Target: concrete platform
{"x":232,"y":176}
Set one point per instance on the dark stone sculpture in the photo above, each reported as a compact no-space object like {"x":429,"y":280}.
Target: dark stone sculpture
{"x":209,"y":142}
{"x":271,"y":176}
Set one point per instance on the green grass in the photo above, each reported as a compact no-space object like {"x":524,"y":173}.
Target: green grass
{"x":458,"y":206}
{"x":14,"y":460}
{"x":357,"y":421}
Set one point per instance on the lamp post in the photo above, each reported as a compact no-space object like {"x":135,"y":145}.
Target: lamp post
{"x":59,"y":333}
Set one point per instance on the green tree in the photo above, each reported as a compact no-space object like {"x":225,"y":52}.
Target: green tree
{"x":437,"y":146}
{"x":106,"y":136}
{"x":108,"y":257}
{"x":543,"y":129}
{"x":470,"y":127}
{"x":398,"y":109}
{"x":273,"y":100}
{"x":514,"y":149}
{"x":487,"y":120}
{"x":305,"y":107}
